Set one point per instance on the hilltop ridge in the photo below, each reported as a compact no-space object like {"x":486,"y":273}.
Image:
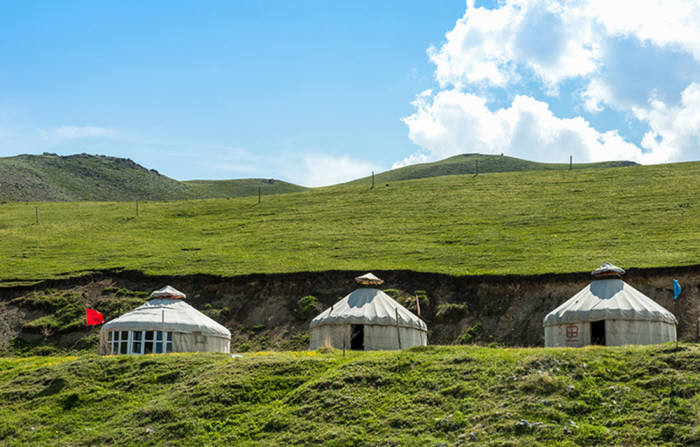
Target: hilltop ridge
{"x":84,"y":177}
{"x":484,"y":163}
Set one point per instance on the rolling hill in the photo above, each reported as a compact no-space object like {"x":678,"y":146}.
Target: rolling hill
{"x":526,"y":222}
{"x":467,"y":164}
{"x":432,"y":396}
{"x":241,"y":187}
{"x":51,"y":177}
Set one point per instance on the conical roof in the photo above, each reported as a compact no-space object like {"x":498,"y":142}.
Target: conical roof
{"x":168,"y":315}
{"x":368,"y":306}
{"x":368,"y":279}
{"x":607,"y":269}
{"x":168,"y":292}
{"x":608,"y":299}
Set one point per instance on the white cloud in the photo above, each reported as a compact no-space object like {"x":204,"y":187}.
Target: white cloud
{"x":640,"y":59}
{"x":674,"y":131}
{"x":492,"y":47}
{"x":674,"y":23}
{"x":74,"y":132}
{"x":323,"y":170}
{"x":555,"y":40}
{"x":452,"y":122}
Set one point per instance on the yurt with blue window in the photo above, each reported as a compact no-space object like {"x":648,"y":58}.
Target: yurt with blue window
{"x":609,"y":312}
{"x":165,"y":323}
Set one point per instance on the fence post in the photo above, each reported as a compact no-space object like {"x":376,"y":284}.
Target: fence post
{"x":36,"y":210}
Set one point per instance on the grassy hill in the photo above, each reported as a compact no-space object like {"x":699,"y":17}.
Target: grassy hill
{"x":429,"y":397}
{"x":241,"y":187}
{"x":467,"y":164}
{"x":84,"y":177}
{"x":502,"y":223}
{"x":50,"y":177}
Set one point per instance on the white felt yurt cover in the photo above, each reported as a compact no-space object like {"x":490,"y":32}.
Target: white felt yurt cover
{"x":171,"y":315}
{"x":368,"y":306}
{"x":608,"y":299}
{"x":168,"y":292}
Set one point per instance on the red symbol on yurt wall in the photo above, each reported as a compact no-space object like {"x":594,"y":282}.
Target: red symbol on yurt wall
{"x":572,"y":331}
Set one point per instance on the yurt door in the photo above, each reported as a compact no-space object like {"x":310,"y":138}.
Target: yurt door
{"x":598,"y":332}
{"x":357,"y":337}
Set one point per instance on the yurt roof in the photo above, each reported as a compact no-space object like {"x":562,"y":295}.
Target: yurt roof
{"x":168,"y":292}
{"x":368,"y":279}
{"x":368,"y":306}
{"x":169,"y":315}
{"x":607,"y":269}
{"x":608,"y":299}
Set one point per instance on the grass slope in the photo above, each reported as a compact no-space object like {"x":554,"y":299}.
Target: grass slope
{"x":84,"y":177}
{"x":50,"y":177}
{"x":241,"y":187}
{"x":466,"y":164}
{"x":429,"y":397}
{"x":502,"y":223}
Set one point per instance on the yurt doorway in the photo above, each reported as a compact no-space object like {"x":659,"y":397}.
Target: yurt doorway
{"x":598,"y":332}
{"x":357,"y":337}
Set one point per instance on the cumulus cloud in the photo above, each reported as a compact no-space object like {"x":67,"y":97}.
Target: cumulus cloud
{"x":640,"y":60}
{"x":674,"y":131}
{"x":453,"y":122}
{"x":493,"y":46}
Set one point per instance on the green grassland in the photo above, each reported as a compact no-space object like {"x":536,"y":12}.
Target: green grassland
{"x":467,"y":164}
{"x":427,"y":396}
{"x":241,"y":187}
{"x":501,"y":223}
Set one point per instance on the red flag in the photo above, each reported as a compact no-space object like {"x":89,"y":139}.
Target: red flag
{"x":93,"y":317}
{"x":418,"y":305}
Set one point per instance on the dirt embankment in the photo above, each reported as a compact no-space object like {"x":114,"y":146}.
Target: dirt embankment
{"x":263,"y":311}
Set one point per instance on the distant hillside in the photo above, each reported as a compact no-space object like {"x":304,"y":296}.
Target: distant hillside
{"x":467,"y":164}
{"x":241,"y":187}
{"x":50,"y":177}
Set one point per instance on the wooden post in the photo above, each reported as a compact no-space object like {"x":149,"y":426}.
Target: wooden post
{"x":36,"y":214}
{"x":258,"y":194}
{"x":571,"y":162}
{"x":476,"y":172}
{"x":372,"y":180}
{"x":137,"y":208}
{"x":398,"y":330}
{"x":678,"y":318}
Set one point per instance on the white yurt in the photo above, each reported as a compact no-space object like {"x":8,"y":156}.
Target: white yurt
{"x":165,"y":323}
{"x":609,"y":312}
{"x":367,"y":319}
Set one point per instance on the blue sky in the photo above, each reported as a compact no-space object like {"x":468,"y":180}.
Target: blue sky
{"x":318,"y":92}
{"x":218,"y":89}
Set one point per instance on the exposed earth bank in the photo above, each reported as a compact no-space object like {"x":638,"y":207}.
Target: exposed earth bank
{"x":267,"y":312}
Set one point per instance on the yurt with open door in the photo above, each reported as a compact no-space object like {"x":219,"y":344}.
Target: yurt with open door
{"x":367,"y":319}
{"x":165,"y":323}
{"x":609,"y":312}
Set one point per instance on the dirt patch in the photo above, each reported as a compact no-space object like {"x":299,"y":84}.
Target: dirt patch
{"x":262,"y":310}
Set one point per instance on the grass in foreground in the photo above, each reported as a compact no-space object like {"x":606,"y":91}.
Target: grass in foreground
{"x":428,"y":396}
{"x":503,"y":223}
